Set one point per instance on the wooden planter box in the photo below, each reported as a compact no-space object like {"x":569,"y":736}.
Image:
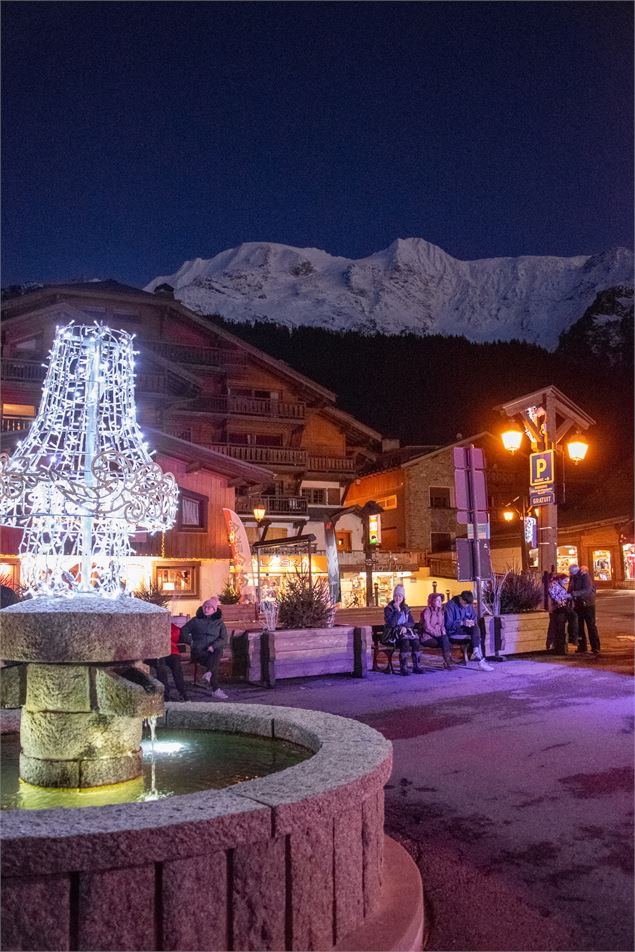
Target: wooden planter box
{"x":268,"y":656}
{"x":522,"y":633}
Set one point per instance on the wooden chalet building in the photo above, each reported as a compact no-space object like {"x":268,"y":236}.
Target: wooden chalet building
{"x":237,"y":427}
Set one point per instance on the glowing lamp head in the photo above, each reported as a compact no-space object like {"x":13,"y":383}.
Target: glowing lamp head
{"x":260,"y":512}
{"x":512,"y":438}
{"x":577,"y":448}
{"x":508,"y":515}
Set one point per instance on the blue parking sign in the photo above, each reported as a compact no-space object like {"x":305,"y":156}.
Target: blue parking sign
{"x":542,"y":469}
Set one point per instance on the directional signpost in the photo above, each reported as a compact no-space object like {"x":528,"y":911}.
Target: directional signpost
{"x":542,"y":478}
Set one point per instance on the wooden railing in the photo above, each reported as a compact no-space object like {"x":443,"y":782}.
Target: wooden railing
{"x":203,"y":356}
{"x":16,"y":368}
{"x":275,"y":455}
{"x":151,"y":382}
{"x":331,"y":464}
{"x":386,"y":561}
{"x":13,"y":424}
{"x":443,"y":568}
{"x":274,"y":505}
{"x":250,"y":407}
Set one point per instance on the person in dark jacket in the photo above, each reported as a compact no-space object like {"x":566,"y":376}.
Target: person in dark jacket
{"x":207,"y":635}
{"x":461,"y":622}
{"x":560,"y":603}
{"x":399,"y":630}
{"x":582,"y":589}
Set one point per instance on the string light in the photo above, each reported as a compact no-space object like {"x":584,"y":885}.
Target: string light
{"x":83,"y":480}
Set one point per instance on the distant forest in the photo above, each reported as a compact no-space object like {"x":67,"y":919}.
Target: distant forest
{"x":428,"y":389}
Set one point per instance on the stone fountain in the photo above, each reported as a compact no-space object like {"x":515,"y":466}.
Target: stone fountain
{"x":82,"y":691}
{"x":295,"y":860}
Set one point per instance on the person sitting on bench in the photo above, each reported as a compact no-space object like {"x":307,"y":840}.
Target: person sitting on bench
{"x":399,"y":631}
{"x":461,"y":622}
{"x":433,"y":628}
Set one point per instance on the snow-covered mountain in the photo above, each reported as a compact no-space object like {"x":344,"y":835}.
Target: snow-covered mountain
{"x":411,"y":286}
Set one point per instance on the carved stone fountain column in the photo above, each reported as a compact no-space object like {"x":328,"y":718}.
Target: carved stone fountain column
{"x":85,"y":693}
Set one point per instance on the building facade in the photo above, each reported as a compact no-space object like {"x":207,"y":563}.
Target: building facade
{"x":238,"y":428}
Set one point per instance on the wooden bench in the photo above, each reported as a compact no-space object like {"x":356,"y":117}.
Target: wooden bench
{"x":388,"y":650}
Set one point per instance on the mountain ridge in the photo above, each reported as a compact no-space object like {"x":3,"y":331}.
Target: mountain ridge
{"x":412,"y":286}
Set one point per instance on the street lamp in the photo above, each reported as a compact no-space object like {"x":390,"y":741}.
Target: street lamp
{"x":510,"y":512}
{"x":260,"y":511}
{"x":577,"y":448}
{"x":546,"y":416}
{"x":512,"y":437}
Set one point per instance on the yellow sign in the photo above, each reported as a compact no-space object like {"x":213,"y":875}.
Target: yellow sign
{"x":374,"y":529}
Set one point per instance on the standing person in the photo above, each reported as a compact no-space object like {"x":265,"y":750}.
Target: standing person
{"x":399,"y":630}
{"x":433,"y":628}
{"x":208,"y":636}
{"x":559,"y":611}
{"x":461,"y":622}
{"x":582,"y":589}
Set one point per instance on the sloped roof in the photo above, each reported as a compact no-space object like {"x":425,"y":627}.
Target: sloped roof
{"x":16,"y":307}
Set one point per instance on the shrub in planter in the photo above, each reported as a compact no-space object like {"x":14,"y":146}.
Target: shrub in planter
{"x":152,"y":593}
{"x":304,"y":603}
{"x":521,"y":592}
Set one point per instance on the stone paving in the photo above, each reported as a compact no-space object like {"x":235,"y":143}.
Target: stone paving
{"x":512,"y":790}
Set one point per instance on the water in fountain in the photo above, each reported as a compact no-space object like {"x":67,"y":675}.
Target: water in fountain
{"x":174,"y":762}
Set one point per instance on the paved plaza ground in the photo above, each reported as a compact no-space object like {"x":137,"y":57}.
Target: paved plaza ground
{"x":512,"y":790}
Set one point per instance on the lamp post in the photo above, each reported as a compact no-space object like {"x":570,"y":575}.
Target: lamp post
{"x":511,"y":512}
{"x":546,"y":416}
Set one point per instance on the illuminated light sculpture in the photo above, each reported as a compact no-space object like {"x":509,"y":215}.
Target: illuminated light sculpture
{"x":83,"y":480}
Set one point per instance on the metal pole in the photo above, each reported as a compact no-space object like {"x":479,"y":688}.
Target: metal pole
{"x":477,"y":548}
{"x":524,"y":545}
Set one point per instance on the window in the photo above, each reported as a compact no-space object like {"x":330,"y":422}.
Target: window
{"x":388,"y":502}
{"x":440,"y":497}
{"x":255,"y":439}
{"x":314,"y":497}
{"x":254,"y":394}
{"x":344,"y":541}
{"x":440,"y":542}
{"x":192,"y":511}
{"x":178,"y":579}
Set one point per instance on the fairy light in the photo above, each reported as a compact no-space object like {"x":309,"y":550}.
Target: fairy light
{"x":83,"y":480}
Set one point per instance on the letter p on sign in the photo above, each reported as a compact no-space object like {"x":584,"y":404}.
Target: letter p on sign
{"x":541,"y":468}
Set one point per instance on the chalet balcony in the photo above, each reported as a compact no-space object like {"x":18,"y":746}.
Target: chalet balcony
{"x":265,"y":455}
{"x":214,"y":357}
{"x":26,"y":371}
{"x":275,"y":505}
{"x":15,"y":424}
{"x":331,"y":464}
{"x":248,"y":406}
{"x":443,"y":568}
{"x":382,"y":561}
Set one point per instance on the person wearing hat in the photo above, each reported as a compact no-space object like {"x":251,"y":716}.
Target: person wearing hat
{"x":433,"y":628}
{"x":582,"y":590}
{"x":461,"y":622}
{"x":559,"y":610}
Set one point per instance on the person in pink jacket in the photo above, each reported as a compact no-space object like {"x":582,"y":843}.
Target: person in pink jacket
{"x":433,"y":628}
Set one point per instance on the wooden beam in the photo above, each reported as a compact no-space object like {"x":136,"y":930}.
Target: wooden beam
{"x":193,"y":467}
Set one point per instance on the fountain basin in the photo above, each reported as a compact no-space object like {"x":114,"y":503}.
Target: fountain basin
{"x":289,"y":861}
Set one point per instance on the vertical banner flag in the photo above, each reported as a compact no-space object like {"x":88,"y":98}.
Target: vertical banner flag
{"x":241,"y":553}
{"x":332,"y":561}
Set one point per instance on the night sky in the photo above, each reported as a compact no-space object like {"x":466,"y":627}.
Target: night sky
{"x":137,"y":135}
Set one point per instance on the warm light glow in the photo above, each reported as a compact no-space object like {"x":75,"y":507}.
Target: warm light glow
{"x":508,"y":515}
{"x":512,"y":438}
{"x":259,"y":513}
{"x":577,"y":448}
{"x":82,"y":481}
